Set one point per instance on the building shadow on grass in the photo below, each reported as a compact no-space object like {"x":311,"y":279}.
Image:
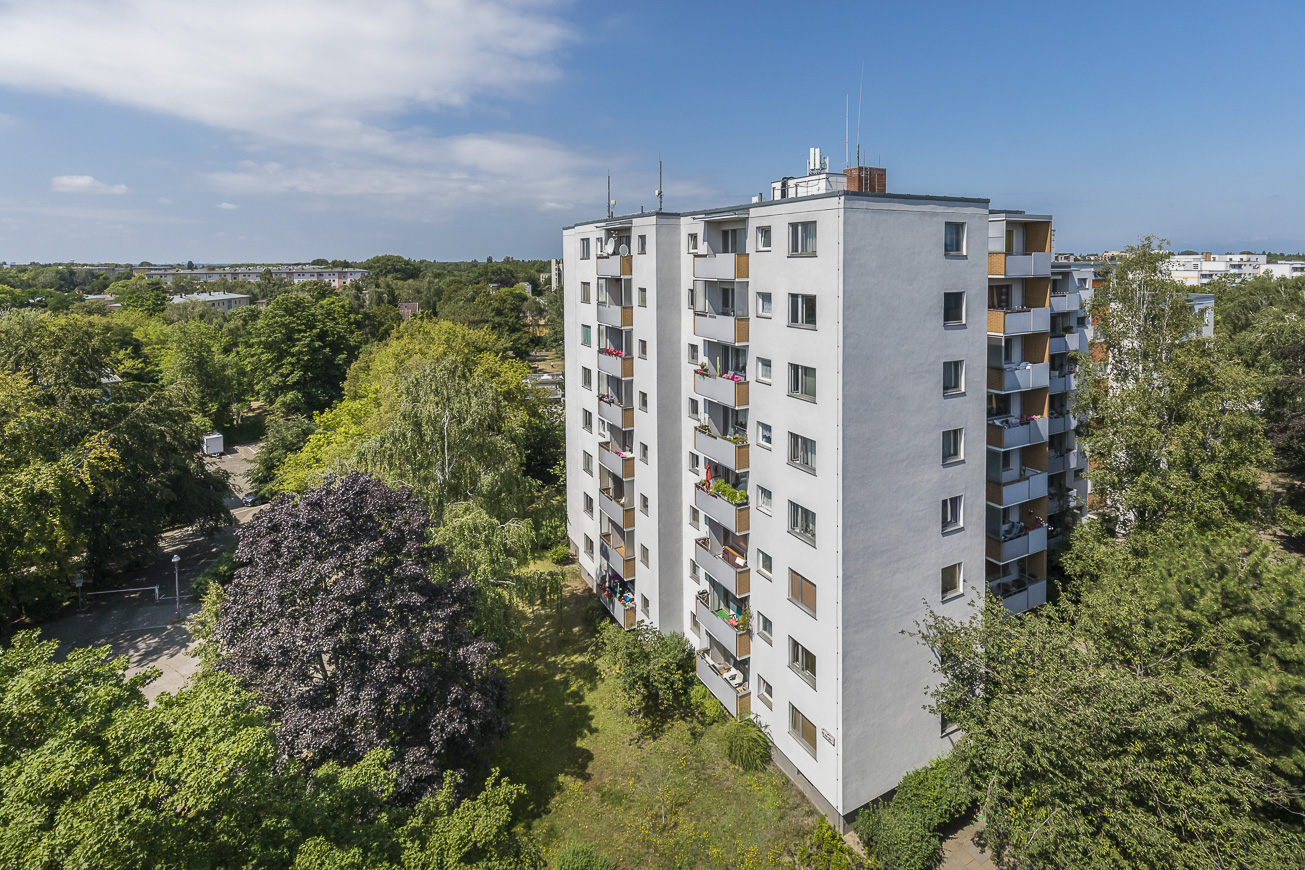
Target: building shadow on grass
{"x":549,"y":676}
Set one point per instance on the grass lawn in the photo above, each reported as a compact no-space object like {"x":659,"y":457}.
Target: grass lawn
{"x":673,"y":801}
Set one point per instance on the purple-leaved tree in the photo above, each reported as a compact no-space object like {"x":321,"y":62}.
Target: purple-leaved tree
{"x":339,"y":622}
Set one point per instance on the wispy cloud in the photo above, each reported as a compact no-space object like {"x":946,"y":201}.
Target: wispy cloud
{"x":229,"y":206}
{"x":84,"y":184}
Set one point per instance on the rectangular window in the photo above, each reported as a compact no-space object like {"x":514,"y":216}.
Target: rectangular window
{"x":802,"y":522}
{"x":643,"y":244}
{"x":764,"y":563}
{"x":802,"y":381}
{"x":693,"y":243}
{"x":587,"y":463}
{"x":643,"y":557}
{"x":643,"y":599}
{"x":954,"y":239}
{"x":764,"y":497}
{"x":584,"y":291}
{"x":589,"y":504}
{"x":802,"y":661}
{"x":953,"y":376}
{"x":587,"y":420}
{"x":643,"y":503}
{"x":763,"y":238}
{"x":690,"y":297}
{"x":802,"y":238}
{"x":693,"y":408}
{"x":693,"y":517}
{"x":802,"y":310}
{"x":801,"y":451}
{"x":766,"y":628}
{"x":763,"y":434}
{"x":584,"y":252}
{"x":643,"y":401}
{"x":693,"y":569}
{"x":586,"y":378}
{"x":802,"y":592}
{"x":731,"y":241}
{"x":693,"y":462}
{"x":643,"y":349}
{"x":953,"y":445}
{"x":693,"y":353}
{"x":589,"y":546}
{"x":951,"y":513}
{"x":763,"y":370}
{"x":951,"y":580}
{"x":954,"y":307}
{"x":643,"y":297}
{"x":586,"y":334}
{"x":763,"y":304}
{"x":643,"y":452}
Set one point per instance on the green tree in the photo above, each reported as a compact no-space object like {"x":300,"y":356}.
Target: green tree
{"x":140,"y":293}
{"x":391,"y":266}
{"x":654,"y":672}
{"x":299,"y":350}
{"x":285,"y":436}
{"x":1171,"y":423}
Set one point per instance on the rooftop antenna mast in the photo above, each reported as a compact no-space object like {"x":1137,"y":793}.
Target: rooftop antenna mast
{"x":659,"y":182}
{"x":610,"y":201}
{"x":860,"y":91}
{"x":847,"y":153}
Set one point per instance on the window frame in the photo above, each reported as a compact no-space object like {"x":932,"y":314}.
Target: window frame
{"x":799,"y":377}
{"x":588,"y":505}
{"x":795,"y":526}
{"x":959,"y":455}
{"x":954,"y":506}
{"x":964,"y":305}
{"x":762,"y":622}
{"x":798,"y":303}
{"x":691,"y":243}
{"x":796,"y":727}
{"x":586,"y":291}
{"x":643,"y":348}
{"x":765,"y":499}
{"x":586,"y":419}
{"x":586,"y":378}
{"x":959,"y":588}
{"x":806,"y":598}
{"x":959,"y":366}
{"x":765,"y":435}
{"x":586,"y":335}
{"x":802,"y":239}
{"x":964,"y":233}
{"x":765,"y":691}
{"x":587,"y":463}
{"x":643,"y":401}
{"x":764,"y":305}
{"x":643,"y":244}
{"x":765,"y":365}
{"x":585,"y":252}
{"x":643,"y":297}
{"x":765,"y":564}
{"x":763,"y":238}
{"x":797,"y":662}
{"x":798,"y":447}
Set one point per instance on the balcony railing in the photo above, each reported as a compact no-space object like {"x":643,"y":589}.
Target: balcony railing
{"x":734,"y":517}
{"x":738,"y":643}
{"x":1020,"y":593}
{"x":622,"y":418}
{"x":1063,"y":383}
{"x":1018,"y":321}
{"x":1061,"y":423}
{"x":616,"y":558}
{"x":727,"y":391}
{"x":726,"y":567}
{"x":1062,"y":462}
{"x":1013,"y":377}
{"x":720,"y":327}
{"x":1062,"y":302}
{"x":1066,"y":342}
{"x":726,"y":684}
{"x":622,"y":609}
{"x":616,"y":511}
{"x":1022,"y":542}
{"x":1030,"y":485}
{"x":1008,"y":432}
{"x":616,"y":315}
{"x":619,"y":366}
{"x":620,"y":464}
{"x":729,"y":453}
{"x":721,"y":267}
{"x":615,"y":266}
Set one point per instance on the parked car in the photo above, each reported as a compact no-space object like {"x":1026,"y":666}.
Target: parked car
{"x":250,"y":499}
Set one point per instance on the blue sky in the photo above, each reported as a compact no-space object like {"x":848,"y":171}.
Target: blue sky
{"x":263,"y":130}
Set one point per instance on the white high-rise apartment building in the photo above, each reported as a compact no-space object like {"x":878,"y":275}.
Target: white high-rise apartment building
{"x":780,"y":442}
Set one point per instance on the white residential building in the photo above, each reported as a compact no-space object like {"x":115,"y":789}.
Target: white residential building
{"x":1284,"y":269}
{"x":296,"y":274}
{"x":1200,"y":269}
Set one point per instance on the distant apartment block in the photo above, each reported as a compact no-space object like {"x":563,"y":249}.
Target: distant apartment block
{"x":220,"y":301}
{"x":794,"y":423}
{"x":295,"y":274}
{"x":1200,"y":269}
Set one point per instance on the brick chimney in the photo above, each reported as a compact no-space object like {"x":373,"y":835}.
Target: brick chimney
{"x":867,"y":179}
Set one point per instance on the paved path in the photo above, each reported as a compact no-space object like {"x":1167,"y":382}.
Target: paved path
{"x":963,"y":850}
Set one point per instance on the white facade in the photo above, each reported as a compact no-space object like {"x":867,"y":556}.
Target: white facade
{"x":1284,"y":269}
{"x":295,"y":274}
{"x":867,"y":278}
{"x":1199,"y":269}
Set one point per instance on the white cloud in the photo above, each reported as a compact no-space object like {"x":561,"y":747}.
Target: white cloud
{"x":83,"y":184}
{"x":322,"y":72}
{"x":227,"y":205}
{"x":163,"y":200}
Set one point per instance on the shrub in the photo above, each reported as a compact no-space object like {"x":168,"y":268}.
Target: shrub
{"x":905,"y":833}
{"x":580,"y":856}
{"x":560,"y":555}
{"x":825,"y":850}
{"x":746,"y":744}
{"x":654,"y":672}
{"x":222,"y":571}
{"x":706,"y":704}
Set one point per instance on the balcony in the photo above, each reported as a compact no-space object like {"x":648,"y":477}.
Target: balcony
{"x":1019,"y":322}
{"x":726,"y":684}
{"x":1065,"y":302}
{"x":1030,"y":485}
{"x":1017,"y":543}
{"x":1020,"y":593}
{"x":1064,"y":383}
{"x":731,"y":516}
{"x":615,"y":267}
{"x":622,"y":610}
{"x":617,"y":366}
{"x":720,"y":327}
{"x":1023,"y":265}
{"x":721,"y":267}
{"x":612,"y":411}
{"x":1063,"y":462}
{"x":722,"y":450}
{"x":616,"y":558}
{"x":616,"y":315}
{"x":1066,"y":342}
{"x":1018,"y":376}
{"x":619,"y":464}
{"x":1013,"y":432}
{"x":1061,"y":423}
{"x":738,"y":643}
{"x":731,"y":393}
{"x":727,"y":568}
{"x":617,"y":512}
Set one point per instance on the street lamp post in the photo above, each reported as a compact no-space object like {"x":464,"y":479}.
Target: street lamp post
{"x":176,"y":579}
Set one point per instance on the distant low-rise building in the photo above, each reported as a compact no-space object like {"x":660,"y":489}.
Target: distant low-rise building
{"x":1284,"y":269}
{"x":1199,"y":269}
{"x":296,"y":274}
{"x":408,"y":309}
{"x":220,"y":301}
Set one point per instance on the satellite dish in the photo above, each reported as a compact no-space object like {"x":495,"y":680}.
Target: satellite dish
{"x":625,"y":250}
{"x":657,"y":192}
{"x":611,"y":246}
